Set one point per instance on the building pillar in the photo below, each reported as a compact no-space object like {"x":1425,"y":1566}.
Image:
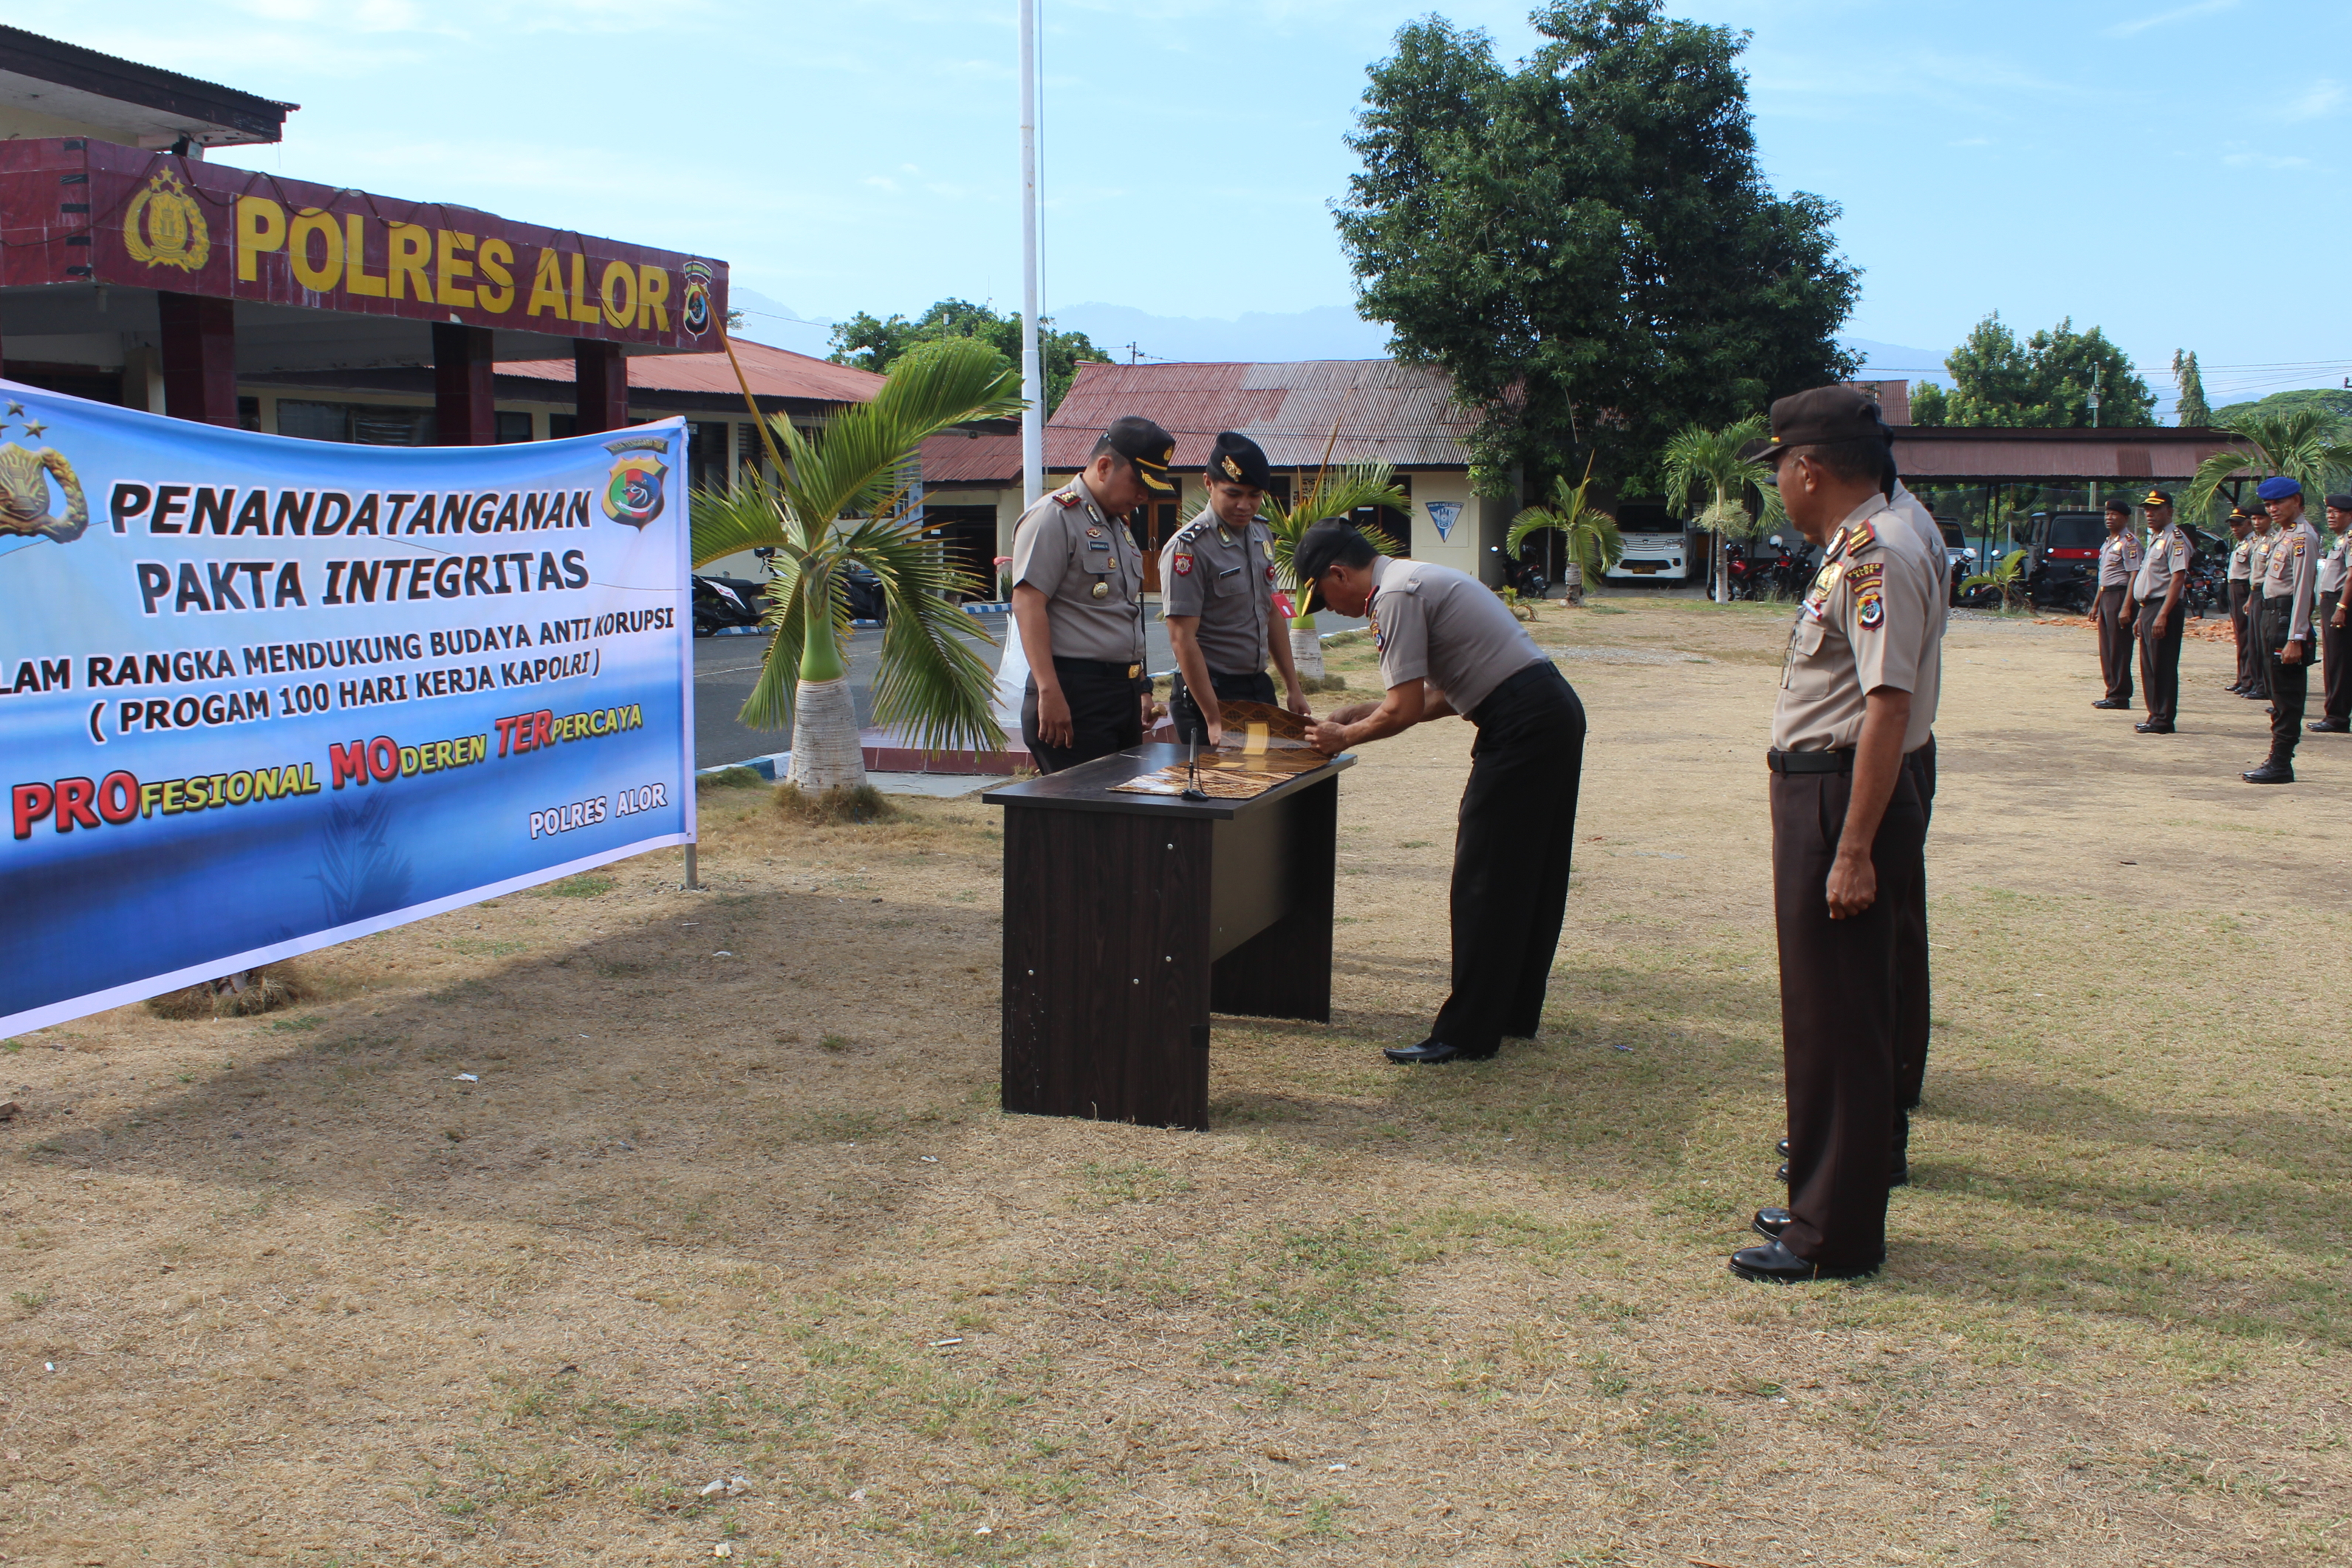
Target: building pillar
{"x":463,"y":413}
{"x":199,"y":358}
{"x":600,"y":383}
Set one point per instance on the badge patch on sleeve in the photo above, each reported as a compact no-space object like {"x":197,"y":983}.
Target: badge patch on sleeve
{"x":1864,"y":574}
{"x":1183,"y":566}
{"x":1380,"y":638}
{"x":1871,"y":607}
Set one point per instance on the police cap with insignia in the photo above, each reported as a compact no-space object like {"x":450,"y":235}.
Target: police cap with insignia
{"x":1146,"y":447}
{"x":2278,"y":487}
{"x":2240,"y":515}
{"x":1817,"y":418}
{"x":2157,"y":498}
{"x":1319,"y":549}
{"x":1237,"y":460}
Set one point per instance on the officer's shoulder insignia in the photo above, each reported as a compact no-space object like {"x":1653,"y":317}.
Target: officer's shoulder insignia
{"x":1066,"y":498}
{"x":1864,"y":574}
{"x":1860,"y":537}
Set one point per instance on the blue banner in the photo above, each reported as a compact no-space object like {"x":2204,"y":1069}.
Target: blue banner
{"x":260,"y":695}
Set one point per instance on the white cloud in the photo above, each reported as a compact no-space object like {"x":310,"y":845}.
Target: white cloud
{"x":2164,"y":18}
{"x":2322,"y":98}
{"x":1971,"y":142}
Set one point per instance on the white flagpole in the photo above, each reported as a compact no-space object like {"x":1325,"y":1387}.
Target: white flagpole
{"x":1013,"y":671}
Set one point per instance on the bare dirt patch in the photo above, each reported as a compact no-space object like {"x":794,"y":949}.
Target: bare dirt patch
{"x":726,"y":1195}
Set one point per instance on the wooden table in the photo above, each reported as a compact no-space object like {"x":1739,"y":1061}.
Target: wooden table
{"x":1129,"y":918}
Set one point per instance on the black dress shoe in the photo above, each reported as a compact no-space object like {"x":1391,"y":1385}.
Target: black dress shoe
{"x":2331,"y":727}
{"x":1775,"y":1264}
{"x":2112,"y":702}
{"x":2150,"y":727}
{"x":1782,"y":1148}
{"x":1770,"y":1222}
{"x":2270,"y":773}
{"x":1430,"y":1053}
{"x":1782,"y":1173}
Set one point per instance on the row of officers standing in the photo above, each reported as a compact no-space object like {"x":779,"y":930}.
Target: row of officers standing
{"x":1851,"y":767}
{"x":2287,"y":608}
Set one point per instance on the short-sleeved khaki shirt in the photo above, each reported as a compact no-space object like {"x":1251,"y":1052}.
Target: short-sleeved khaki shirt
{"x":2292,"y":575}
{"x":2336,"y":564}
{"x":1089,"y":569}
{"x":2119,"y":558}
{"x":2167,"y":558}
{"x":2241,"y":559}
{"x":1224,"y":575}
{"x":1435,"y":623}
{"x":1872,"y":620}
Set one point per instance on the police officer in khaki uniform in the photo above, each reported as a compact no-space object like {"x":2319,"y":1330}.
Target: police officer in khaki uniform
{"x":2111,"y":612}
{"x":2242,"y":529}
{"x":2156,"y":590}
{"x":1217,"y":593}
{"x":2334,"y":635}
{"x":1858,"y":696}
{"x":1448,"y":645}
{"x":2258,"y":561}
{"x":1077,"y":601}
{"x":2289,"y":582}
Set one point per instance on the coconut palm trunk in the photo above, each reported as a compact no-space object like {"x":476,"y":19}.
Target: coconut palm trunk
{"x":1305,"y":647}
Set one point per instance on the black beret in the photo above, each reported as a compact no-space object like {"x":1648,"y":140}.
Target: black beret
{"x":2117,"y":504}
{"x":1238,"y":460}
{"x":1144,"y":446}
{"x":2342,"y":503}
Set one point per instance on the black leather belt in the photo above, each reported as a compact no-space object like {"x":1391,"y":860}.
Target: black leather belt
{"x":1109,"y":668}
{"x":1810,"y":761}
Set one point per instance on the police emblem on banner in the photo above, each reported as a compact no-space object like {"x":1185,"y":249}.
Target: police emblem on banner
{"x":633,"y":494}
{"x":164,"y":227}
{"x":695,"y":309}
{"x":25,"y":500}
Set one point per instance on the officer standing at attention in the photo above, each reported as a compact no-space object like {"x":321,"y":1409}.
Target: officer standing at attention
{"x":2289,"y":579}
{"x":1448,"y":645}
{"x":2156,"y":588}
{"x":1077,"y":601}
{"x":2335,"y":636}
{"x":1857,"y":696}
{"x":1217,"y":593}
{"x":2111,"y":612}
{"x":2258,"y":561}
{"x":2240,"y":529}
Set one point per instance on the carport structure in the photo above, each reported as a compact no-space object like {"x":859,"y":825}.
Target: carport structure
{"x":1983,"y":476}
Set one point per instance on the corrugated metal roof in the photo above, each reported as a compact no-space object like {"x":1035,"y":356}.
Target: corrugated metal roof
{"x":772,"y":373}
{"x":1385,"y":411}
{"x":1991,"y":452}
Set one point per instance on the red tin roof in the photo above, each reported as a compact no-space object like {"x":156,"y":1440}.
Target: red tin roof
{"x":772,"y":373}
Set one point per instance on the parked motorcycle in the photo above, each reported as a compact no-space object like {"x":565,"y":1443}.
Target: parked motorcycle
{"x":1748,"y":576}
{"x":721,"y":604}
{"x":1524,"y":578}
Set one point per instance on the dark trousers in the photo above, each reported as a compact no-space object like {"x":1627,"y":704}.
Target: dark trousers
{"x":2258,"y":630}
{"x":2159,"y":661}
{"x":2239,"y":589}
{"x":1511,"y":850}
{"x":2336,"y":647}
{"x":1911,"y":976}
{"x":1840,"y":999}
{"x":2290,"y":683}
{"x":1106,"y":714}
{"x":1186,"y":714}
{"x":2112,"y":614}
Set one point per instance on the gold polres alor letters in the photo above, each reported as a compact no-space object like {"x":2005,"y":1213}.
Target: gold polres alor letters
{"x":328,"y":252}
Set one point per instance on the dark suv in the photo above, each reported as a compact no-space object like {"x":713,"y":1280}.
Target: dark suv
{"x":2061,"y":559}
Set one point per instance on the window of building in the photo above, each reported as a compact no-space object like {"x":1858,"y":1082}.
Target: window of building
{"x":360,"y":423}
{"x":513,"y":426}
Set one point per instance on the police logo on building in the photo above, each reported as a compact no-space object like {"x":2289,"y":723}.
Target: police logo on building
{"x":24,"y":495}
{"x":633,"y":492}
{"x":695,"y":308}
{"x":164,"y":226}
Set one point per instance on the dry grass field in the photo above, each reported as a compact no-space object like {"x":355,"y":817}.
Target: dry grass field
{"x":729,"y":1197}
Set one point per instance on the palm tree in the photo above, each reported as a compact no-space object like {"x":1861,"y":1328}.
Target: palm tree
{"x":2303,"y":444}
{"x":1349,"y":489}
{"x":1594,"y":544}
{"x":1704,"y":460}
{"x":2007,"y":579}
{"x":841,"y":497}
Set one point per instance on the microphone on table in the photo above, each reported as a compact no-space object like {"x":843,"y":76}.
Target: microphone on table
{"x":1193,"y":790}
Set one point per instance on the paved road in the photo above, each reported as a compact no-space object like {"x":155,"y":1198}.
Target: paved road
{"x":726,"y":668}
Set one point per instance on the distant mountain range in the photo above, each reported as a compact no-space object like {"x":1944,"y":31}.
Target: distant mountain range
{"x":1324,"y":332}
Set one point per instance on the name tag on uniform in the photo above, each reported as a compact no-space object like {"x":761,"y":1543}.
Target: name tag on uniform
{"x":1229,"y":572}
{"x":1099,"y":543}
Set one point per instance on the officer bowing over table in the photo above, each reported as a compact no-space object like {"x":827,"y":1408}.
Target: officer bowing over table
{"x":1077,"y":601}
{"x":1216,"y":591}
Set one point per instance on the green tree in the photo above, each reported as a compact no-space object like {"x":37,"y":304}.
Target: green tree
{"x":2044,"y":382}
{"x":839,"y":498}
{"x":875,"y":343}
{"x":1594,"y":545}
{"x":2192,"y":409}
{"x":2306,"y":442}
{"x":1353,"y":487}
{"x":1702,"y":462}
{"x":1586,"y":243}
{"x":2331,"y":400}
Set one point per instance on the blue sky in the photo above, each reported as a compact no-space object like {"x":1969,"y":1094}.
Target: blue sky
{"x":2170,"y":170}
